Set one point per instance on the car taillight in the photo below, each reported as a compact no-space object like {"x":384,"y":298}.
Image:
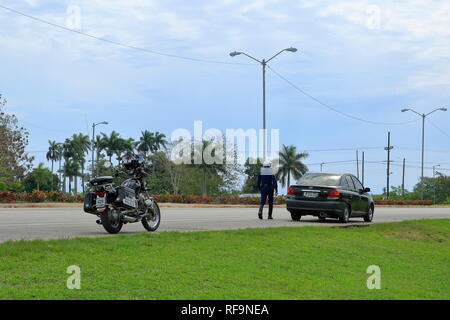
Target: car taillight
{"x":290,"y":191}
{"x":100,"y":194}
{"x":334,"y":194}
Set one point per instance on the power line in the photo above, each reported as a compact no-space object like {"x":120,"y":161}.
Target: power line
{"x":442,"y":131}
{"x":119,"y":43}
{"x":334,"y":109}
{"x":343,"y":149}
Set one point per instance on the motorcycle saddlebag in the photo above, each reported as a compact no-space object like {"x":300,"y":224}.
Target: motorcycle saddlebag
{"x":126,"y":198}
{"x":89,"y":203}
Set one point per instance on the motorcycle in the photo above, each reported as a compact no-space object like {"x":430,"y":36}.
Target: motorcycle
{"x":127,"y":203}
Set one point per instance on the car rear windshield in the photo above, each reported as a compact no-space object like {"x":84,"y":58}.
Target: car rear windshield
{"x":319,"y":179}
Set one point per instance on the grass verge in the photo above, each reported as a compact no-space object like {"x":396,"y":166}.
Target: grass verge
{"x":278,"y":263}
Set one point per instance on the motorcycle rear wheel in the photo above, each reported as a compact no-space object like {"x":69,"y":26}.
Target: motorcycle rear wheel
{"x":109,"y":224}
{"x":151,"y":223}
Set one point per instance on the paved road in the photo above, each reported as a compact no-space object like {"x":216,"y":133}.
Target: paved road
{"x":16,"y":224}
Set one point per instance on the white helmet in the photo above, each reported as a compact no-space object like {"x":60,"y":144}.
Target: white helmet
{"x":267,"y":164}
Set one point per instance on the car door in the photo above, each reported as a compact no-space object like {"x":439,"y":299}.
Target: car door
{"x":363,"y":197}
{"x":345,"y":190}
{"x":355,"y":197}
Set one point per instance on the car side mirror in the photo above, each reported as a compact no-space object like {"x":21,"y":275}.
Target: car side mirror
{"x":366,"y":190}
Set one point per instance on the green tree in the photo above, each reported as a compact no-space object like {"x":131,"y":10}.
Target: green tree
{"x":159,"y":141}
{"x":53,"y":153}
{"x":291,"y":165}
{"x":252,"y":171}
{"x":41,"y":178}
{"x":145,"y":143}
{"x":13,"y":141}
{"x":81,"y":146}
{"x":111,"y":144}
{"x":210,"y":172}
{"x":436,"y":189}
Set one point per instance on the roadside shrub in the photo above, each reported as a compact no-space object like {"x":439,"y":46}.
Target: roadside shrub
{"x":56,"y":196}
{"x":6,"y":196}
{"x":403,"y":202}
{"x":38,"y":196}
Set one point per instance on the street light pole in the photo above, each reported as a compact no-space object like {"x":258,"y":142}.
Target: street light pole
{"x":93,"y":145}
{"x":263,"y":63}
{"x":423,"y":115}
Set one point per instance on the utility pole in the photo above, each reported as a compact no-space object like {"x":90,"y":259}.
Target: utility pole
{"x":403,"y":178}
{"x":357,"y":164}
{"x":321,"y":166}
{"x":362,"y":169}
{"x":388,"y":149}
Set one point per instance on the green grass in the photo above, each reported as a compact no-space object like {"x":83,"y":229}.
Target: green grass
{"x":279,"y":263}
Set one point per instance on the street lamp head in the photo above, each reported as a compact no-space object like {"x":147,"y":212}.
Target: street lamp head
{"x":291,"y":49}
{"x":404,"y":110}
{"x":443,"y":109}
{"x":235,"y":53}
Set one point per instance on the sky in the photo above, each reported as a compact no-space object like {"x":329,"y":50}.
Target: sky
{"x":367,"y":59}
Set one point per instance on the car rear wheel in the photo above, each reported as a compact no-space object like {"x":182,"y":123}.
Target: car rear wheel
{"x":369,"y":215}
{"x":345,"y":216}
{"x":296,"y":216}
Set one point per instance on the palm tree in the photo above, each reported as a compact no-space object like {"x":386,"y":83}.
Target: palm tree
{"x":60,"y":151}
{"x":125,"y":145}
{"x":70,"y":170}
{"x":146,"y":142}
{"x":67,"y":154}
{"x":53,"y":154}
{"x":81,"y":145}
{"x":207,"y":169}
{"x":111,"y":144}
{"x":39,"y":174}
{"x":159,"y":140}
{"x":290,"y":164}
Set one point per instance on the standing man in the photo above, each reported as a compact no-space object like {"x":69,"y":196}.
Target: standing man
{"x":267,"y":185}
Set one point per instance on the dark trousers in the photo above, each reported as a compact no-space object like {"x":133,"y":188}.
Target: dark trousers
{"x":264,"y":195}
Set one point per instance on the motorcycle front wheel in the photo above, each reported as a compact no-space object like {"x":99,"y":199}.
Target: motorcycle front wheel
{"x":152,"y":221}
{"x":111,"y":225}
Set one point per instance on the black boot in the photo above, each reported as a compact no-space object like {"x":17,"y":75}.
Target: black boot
{"x":270,"y":213}
{"x":260,"y":212}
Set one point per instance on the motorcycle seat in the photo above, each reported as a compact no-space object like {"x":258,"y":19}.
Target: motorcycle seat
{"x":101,"y":180}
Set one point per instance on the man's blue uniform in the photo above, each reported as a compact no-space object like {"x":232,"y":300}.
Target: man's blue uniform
{"x":267,"y":184}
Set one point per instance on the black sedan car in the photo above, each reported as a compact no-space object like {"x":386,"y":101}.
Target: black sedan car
{"x":330,"y":195}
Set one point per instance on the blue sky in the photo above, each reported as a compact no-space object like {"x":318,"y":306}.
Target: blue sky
{"x":366,"y":58}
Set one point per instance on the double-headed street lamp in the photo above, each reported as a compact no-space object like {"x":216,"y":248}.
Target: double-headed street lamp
{"x":93,"y":145}
{"x":263,"y":62}
{"x":423,"y":115}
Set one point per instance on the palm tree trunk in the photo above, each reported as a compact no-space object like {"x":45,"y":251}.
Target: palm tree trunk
{"x":289,"y":178}
{"x":82,"y":178}
{"x":75,"y":186}
{"x":64,"y":184}
{"x":51,"y":188}
{"x":60,"y":175}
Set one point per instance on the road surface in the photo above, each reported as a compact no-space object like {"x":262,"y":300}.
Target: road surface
{"x":59,"y":223}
